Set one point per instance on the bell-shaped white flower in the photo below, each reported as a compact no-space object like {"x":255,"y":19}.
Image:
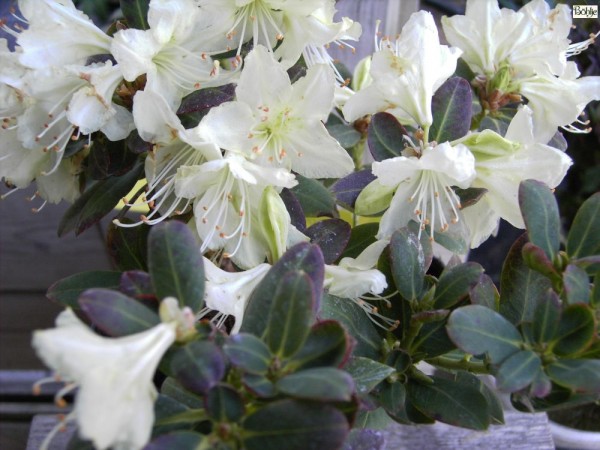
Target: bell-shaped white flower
{"x":114,"y":406}
{"x":278,"y":124}
{"x":406,"y":73}
{"x":227,"y":293}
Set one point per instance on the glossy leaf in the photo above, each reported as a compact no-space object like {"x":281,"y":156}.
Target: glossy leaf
{"x":451,"y":109}
{"x":540,"y":213}
{"x":137,"y":284}
{"x":259,"y":385}
{"x":301,"y":257}
{"x":325,"y":384}
{"x":455,"y":283}
{"x":576,"y":283}
{"x":521,"y":289}
{"x":581,"y":375}
{"x":584,"y":236}
{"x":294,"y":209}
{"x":518,"y":371}
{"x":109,"y":158}
{"x":361,"y":237}
{"x":547,"y":317}
{"x":485,"y":293}
{"x":536,"y":258}
{"x":315,"y":199}
{"x":127,"y":246}
{"x":327,"y":344}
{"x":433,"y":339}
{"x":290,"y":315}
{"x":294,"y":425}
{"x":197,"y":104}
{"x":98,"y":201}
{"x":116,"y":314}
{"x":172,"y":388}
{"x":392,"y":397}
{"x":575,"y":330}
{"x":136,"y":13}
{"x":67,"y":291}
{"x":347,"y":189}
{"x":355,"y":320}
{"x":224,"y":404}
{"x":385,"y":136}
{"x":408,"y":263}
{"x":331,"y":235}
{"x":470,"y":196}
{"x":367,"y":373}
{"x":477,"y":330}
{"x":175,"y":264}
{"x":495,"y":408}
{"x":248,"y":352}
{"x":198,"y":366}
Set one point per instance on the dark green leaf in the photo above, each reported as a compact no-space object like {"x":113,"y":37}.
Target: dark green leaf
{"x":451,"y":109}
{"x":433,"y":339}
{"x":392,"y":397}
{"x":294,"y":425}
{"x":455,"y":283}
{"x":576,"y":284}
{"x":137,"y":284}
{"x":109,"y":158}
{"x":495,"y":407}
{"x":325,"y":384}
{"x":547,"y":317}
{"x":498,"y":121}
{"x":521,"y":289}
{"x":224,"y":404}
{"x":408,"y":264}
{"x":540,"y":213}
{"x":470,"y":196}
{"x":541,"y":386}
{"x":127,"y":246}
{"x":518,"y":371}
{"x":347,"y":189}
{"x":116,"y":314}
{"x":301,"y":257}
{"x":136,"y":13}
{"x":315,"y":199}
{"x":584,"y":236}
{"x":175,"y":264}
{"x":575,"y":330}
{"x":327,"y":344}
{"x":484,"y":293}
{"x":181,"y":440}
{"x":361,"y":237}
{"x":197,"y":104}
{"x":581,"y":375}
{"x":168,"y":415}
{"x":367,"y":373}
{"x":595,"y":297}
{"x":198,"y":366}
{"x":290,"y":315}
{"x":535,"y":258}
{"x":376,"y":419}
{"x":172,"y":388}
{"x":294,"y":208}
{"x":346,"y":135}
{"x":331,"y":235}
{"x":259,"y":385}
{"x":452,"y":403}
{"x":477,"y":330}
{"x":136,"y":145}
{"x":67,"y":291}
{"x":248,"y":352}
{"x":385,"y":136}
{"x":98,"y":200}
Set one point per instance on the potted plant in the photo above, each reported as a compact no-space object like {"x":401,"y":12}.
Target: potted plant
{"x":271,"y":290}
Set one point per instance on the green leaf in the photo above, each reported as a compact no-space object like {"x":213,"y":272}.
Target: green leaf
{"x":455,"y":283}
{"x":347,"y":189}
{"x":175,"y":264}
{"x":224,"y":404}
{"x":540,"y":213}
{"x":361,"y":237}
{"x":259,"y":385}
{"x":470,"y":196}
{"x":172,"y":388}
{"x":294,"y":425}
{"x":595,"y":297}
{"x":575,"y":330}
{"x":67,"y":291}
{"x":98,"y":200}
{"x":376,"y":419}
{"x":116,"y":314}
{"x":367,"y":373}
{"x":373,"y":199}
{"x":331,"y":235}
{"x":197,"y":104}
{"x":323,"y":384}
{"x":521,"y":289}
{"x":450,"y":402}
{"x":535,"y":258}
{"x":183,"y":440}
{"x":392,"y":397}
{"x":109,"y":158}
{"x":477,"y":330}
{"x":496,"y":410}
{"x":316,"y":200}
{"x":248,"y":352}
{"x":518,"y":371}
{"x":547,"y":317}
{"x":355,"y":320}
{"x":290,"y":315}
{"x":327,"y":344}
{"x":198,"y":366}
{"x":584,"y":236}
{"x":451,"y":109}
{"x":581,"y":375}
{"x":576,"y":283}
{"x":127,"y":246}
{"x":408,"y":263}
{"x":485,"y":293}
{"x":345,"y":134}
{"x":433,"y":339}
{"x":136,"y":13}
{"x":385,"y":136}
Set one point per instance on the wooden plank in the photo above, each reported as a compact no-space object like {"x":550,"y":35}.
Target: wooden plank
{"x":27,"y":312}
{"x":16,"y":352}
{"x":13,"y":435}
{"x":41,"y":426}
{"x":18,"y":383}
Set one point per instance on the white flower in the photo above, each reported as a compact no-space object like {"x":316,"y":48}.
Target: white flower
{"x":422,"y":186}
{"x":501,"y":164}
{"x":406,"y":73}
{"x":278,"y":124}
{"x":115,"y":402}
{"x":169,"y":53}
{"x":228,"y":292}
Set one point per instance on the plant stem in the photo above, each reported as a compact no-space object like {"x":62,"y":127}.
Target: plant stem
{"x":470,"y":366}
